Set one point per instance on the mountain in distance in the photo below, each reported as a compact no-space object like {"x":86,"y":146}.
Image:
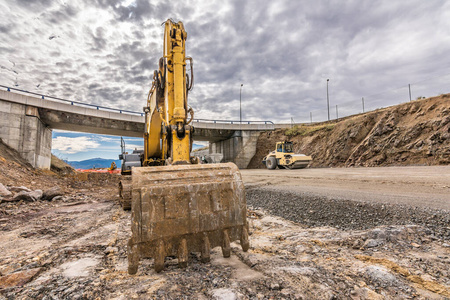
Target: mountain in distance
{"x":97,"y":163}
{"x":100,"y":163}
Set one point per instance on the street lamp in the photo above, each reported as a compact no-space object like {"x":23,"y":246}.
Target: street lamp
{"x":240,"y":103}
{"x":328,"y":101}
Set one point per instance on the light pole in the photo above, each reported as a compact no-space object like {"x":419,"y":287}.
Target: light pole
{"x":328,"y":101}
{"x":240,"y":104}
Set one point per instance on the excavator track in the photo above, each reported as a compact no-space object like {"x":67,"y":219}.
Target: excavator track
{"x":125,"y":192}
{"x":186,"y":208}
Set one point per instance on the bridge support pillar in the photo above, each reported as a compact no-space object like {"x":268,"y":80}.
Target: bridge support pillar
{"x":22,"y":130}
{"x":240,"y":148}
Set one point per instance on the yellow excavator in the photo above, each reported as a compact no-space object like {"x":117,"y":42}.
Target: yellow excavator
{"x":177,"y":205}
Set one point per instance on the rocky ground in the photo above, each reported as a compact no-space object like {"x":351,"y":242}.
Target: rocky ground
{"x":69,"y":242}
{"x":74,"y":248}
{"x":413,"y":133}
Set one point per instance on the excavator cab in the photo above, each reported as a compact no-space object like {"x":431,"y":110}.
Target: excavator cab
{"x":177,"y":205}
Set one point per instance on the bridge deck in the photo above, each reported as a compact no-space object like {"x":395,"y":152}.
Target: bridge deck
{"x":76,"y":116}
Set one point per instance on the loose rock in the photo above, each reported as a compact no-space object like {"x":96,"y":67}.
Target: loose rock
{"x":223,"y":294}
{"x":19,"y":189}
{"x":4,"y":191}
{"x":370,"y":243}
{"x":37,"y":194}
{"x":380,"y":276}
{"x":18,"y":278}
{"x":52,"y":193}
{"x":23,"y":195}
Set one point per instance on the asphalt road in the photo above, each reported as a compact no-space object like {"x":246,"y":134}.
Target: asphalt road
{"x":422,"y":186}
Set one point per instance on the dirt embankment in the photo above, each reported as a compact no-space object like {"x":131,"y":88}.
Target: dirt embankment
{"x":413,"y":133}
{"x":16,"y":171}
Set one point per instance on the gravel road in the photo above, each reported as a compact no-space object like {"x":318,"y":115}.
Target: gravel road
{"x":355,"y":198}
{"x":421,"y":186}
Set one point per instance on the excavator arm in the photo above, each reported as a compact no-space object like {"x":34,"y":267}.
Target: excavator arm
{"x":179,"y":206}
{"x":167,"y":104}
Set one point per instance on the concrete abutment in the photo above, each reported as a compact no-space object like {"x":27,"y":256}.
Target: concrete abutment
{"x":240,"y":148}
{"x":22,"y":129}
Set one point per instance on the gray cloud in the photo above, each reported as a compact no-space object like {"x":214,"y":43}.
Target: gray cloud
{"x":136,"y":12}
{"x":61,"y":14}
{"x":282,"y":51}
{"x":6,"y":28}
{"x":34,"y":5}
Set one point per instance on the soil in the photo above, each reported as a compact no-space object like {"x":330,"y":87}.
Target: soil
{"x":74,"y":247}
{"x":413,"y":133}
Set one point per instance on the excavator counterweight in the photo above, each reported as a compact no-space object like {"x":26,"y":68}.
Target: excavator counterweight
{"x":177,"y":205}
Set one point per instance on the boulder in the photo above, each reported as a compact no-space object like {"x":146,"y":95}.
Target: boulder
{"x":52,"y":193}
{"x":23,"y":195}
{"x":37,"y":194}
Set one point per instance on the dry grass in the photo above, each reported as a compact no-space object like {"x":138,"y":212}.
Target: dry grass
{"x":304,"y":130}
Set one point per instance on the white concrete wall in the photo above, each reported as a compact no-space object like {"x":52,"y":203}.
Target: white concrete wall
{"x":22,"y":130}
{"x":239,"y":149}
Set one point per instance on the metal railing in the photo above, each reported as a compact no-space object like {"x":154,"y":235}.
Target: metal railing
{"x":99,"y":107}
{"x":232,"y":121}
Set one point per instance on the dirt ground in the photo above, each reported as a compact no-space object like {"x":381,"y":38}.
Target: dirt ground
{"x":423,"y":186}
{"x":74,"y":247}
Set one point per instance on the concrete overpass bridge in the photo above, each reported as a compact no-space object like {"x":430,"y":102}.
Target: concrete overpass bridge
{"x":27,"y":120}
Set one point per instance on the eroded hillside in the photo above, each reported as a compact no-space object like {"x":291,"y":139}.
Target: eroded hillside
{"x":413,"y":133}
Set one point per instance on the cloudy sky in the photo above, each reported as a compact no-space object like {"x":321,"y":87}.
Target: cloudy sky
{"x":75,"y":146}
{"x":104,"y":52}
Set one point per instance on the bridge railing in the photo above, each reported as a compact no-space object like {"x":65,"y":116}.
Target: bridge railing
{"x":71,"y":102}
{"x":104,"y":108}
{"x":232,"y":122}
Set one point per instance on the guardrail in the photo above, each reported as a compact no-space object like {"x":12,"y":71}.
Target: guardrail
{"x":232,"y":121}
{"x":99,"y":107}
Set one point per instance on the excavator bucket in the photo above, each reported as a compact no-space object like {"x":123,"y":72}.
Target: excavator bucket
{"x":186,"y":208}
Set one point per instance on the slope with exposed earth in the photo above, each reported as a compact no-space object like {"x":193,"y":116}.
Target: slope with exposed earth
{"x":413,"y":133}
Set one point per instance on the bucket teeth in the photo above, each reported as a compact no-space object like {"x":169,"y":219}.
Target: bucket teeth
{"x":245,"y":244}
{"x":183,"y":253}
{"x":186,"y":208}
{"x":133,"y":258}
{"x":206,"y":248}
{"x":226,"y":248}
{"x":160,"y":255}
